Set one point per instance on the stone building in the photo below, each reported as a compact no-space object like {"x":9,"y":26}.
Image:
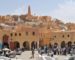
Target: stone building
{"x":27,"y":31}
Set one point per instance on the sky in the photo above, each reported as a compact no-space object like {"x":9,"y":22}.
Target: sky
{"x":60,"y":9}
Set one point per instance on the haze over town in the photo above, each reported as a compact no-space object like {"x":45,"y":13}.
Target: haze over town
{"x":62,"y":9}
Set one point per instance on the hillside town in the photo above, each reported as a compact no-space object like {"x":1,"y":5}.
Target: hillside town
{"x":29,"y":31}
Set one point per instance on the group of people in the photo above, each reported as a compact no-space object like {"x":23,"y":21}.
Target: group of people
{"x":63,"y":49}
{"x":55,"y":49}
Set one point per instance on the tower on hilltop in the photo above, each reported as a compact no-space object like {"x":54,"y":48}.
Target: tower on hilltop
{"x":29,"y":10}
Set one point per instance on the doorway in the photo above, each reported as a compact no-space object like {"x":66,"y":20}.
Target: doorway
{"x":5,"y":41}
{"x":34,"y":45}
{"x":26,"y":45}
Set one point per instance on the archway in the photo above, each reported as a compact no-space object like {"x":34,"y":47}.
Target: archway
{"x":16,"y":44}
{"x":26,"y":45}
{"x":41,"y":43}
{"x":69,"y":44}
{"x":50,"y":45}
{"x":34,"y":45}
{"x":55,"y":44}
{"x":5,"y":41}
{"x":63,"y":44}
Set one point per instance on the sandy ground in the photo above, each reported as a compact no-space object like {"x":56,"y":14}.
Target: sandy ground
{"x":27,"y":56}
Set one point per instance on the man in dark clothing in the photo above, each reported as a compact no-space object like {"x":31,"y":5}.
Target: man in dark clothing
{"x":33,"y":52}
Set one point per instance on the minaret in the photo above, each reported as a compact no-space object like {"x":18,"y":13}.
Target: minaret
{"x":29,"y":10}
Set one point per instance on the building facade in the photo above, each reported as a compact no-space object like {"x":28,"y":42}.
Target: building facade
{"x":28,"y":31}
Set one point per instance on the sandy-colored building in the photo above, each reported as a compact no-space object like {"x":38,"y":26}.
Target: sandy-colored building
{"x":32,"y":31}
{"x":27,"y":37}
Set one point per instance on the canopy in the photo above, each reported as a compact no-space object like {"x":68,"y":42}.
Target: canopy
{"x":6,"y":49}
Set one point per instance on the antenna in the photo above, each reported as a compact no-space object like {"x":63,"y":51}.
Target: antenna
{"x":23,"y":6}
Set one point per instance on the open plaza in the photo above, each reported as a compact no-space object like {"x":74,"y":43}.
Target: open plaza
{"x":27,"y":56}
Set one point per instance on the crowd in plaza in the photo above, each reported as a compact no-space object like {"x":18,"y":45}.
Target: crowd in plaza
{"x":55,"y":49}
{"x":50,"y":50}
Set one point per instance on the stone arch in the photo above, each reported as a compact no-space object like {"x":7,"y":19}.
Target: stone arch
{"x":56,"y":44}
{"x":5,"y":41}
{"x":63,"y":44}
{"x":69,"y":43}
{"x":16,"y":44}
{"x":50,"y":45}
{"x":74,"y":43}
{"x":34,"y":45}
{"x":26,"y":45}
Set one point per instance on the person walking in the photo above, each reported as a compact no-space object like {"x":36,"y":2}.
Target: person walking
{"x":33,"y":52}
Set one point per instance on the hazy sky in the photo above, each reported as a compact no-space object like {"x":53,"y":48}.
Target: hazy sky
{"x":61,"y":9}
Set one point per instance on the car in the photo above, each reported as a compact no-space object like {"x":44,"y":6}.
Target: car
{"x":12,"y":54}
{"x":4,"y":58}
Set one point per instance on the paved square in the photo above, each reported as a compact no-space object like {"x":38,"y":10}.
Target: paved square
{"x":27,"y":56}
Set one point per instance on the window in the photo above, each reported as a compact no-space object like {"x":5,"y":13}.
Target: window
{"x":15,"y":34}
{"x":68,"y":35}
{"x":63,"y":36}
{"x":33,"y":33}
{"x":19,"y":34}
{"x":11,"y":34}
{"x":54,"y":36}
{"x":26,"y":33}
{"x":48,"y":27}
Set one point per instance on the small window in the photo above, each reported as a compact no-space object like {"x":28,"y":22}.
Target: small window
{"x":19,"y":34}
{"x":63,"y":36}
{"x":15,"y":34}
{"x":48,"y":27}
{"x":33,"y":33}
{"x":11,"y":34}
{"x":68,"y":35}
{"x":26,"y":33}
{"x":54,"y":36}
